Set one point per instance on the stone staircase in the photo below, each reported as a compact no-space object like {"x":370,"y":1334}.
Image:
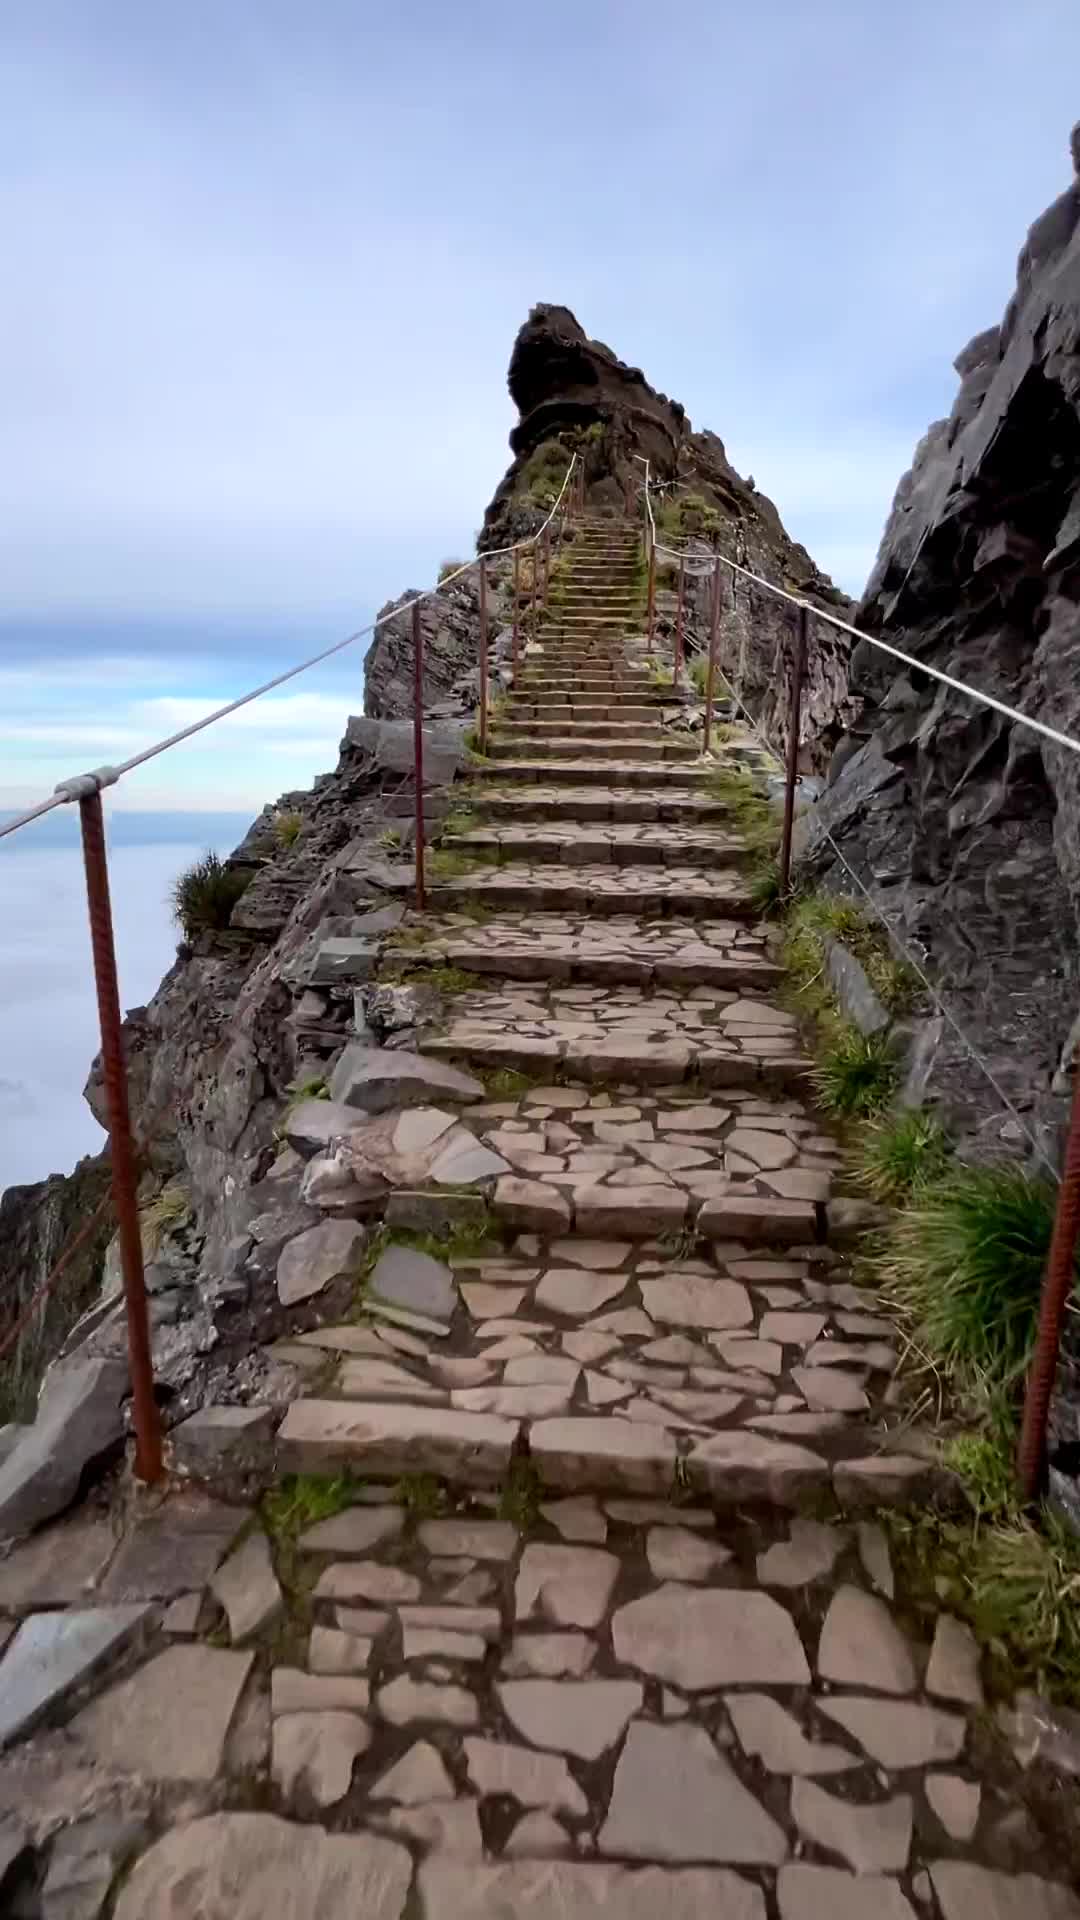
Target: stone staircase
{"x":657,"y":1303}
{"x":560,"y":1643}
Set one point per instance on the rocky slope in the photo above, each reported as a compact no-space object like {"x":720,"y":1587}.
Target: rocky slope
{"x":966,"y":826}
{"x":244,"y":1015}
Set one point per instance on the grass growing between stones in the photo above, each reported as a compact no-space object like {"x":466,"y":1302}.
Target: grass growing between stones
{"x":900,"y":1154}
{"x":519,"y":1501}
{"x":964,"y":1265}
{"x":286,"y":1511}
{"x":444,"y":979}
{"x":1014,"y":1575}
{"x":814,"y":918}
{"x":422,"y":1495}
{"x":856,"y":1073}
{"x":204,"y":896}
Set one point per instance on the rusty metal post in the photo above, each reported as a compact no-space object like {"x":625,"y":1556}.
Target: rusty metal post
{"x":516,"y":639}
{"x":418,"y":752}
{"x":547,"y":563}
{"x":147,"y":1420}
{"x":677,"y":665}
{"x":483,"y":658}
{"x":794,"y":722}
{"x":535,"y":557}
{"x":651,"y":544}
{"x":1058,"y":1283}
{"x":710,"y":671}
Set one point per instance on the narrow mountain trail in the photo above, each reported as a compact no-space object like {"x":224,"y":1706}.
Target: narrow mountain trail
{"x":608,"y":1620}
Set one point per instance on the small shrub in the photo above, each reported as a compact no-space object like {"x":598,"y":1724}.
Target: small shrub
{"x":1025,"y":1588}
{"x":389,"y":839}
{"x":520,"y":1499}
{"x":203,"y":898}
{"x":752,"y":815}
{"x":900,"y":1154}
{"x":699,"y":674}
{"x":856,"y":1073}
{"x":288,"y":826}
{"x":965,"y":1262}
{"x":447,"y":567}
{"x":313,"y":1088}
{"x":819,"y":916}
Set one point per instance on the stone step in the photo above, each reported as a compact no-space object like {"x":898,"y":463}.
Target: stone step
{"x":664,"y":1051}
{"x":577,"y":727}
{"x":601,"y":803}
{"x":528,"y":948}
{"x":684,"y":890}
{"x":562,"y":746}
{"x":623,"y":843}
{"x":580,"y":712}
{"x":571,"y":768}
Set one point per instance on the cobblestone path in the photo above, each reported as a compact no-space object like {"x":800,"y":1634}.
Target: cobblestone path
{"x":646,"y":1658}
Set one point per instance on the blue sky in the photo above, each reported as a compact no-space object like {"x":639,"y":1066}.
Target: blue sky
{"x":265,"y":260}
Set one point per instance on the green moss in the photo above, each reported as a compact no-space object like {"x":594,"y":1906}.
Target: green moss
{"x":856,"y":1074}
{"x":422,"y":1495}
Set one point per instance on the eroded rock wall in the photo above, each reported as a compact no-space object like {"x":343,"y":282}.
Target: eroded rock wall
{"x":965,"y":825}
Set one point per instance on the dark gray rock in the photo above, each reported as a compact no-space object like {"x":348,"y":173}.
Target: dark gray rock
{"x":328,"y":1252}
{"x":374,"y":1079}
{"x":964,"y":826}
{"x":402,"y":1277}
{"x":341,"y":961}
{"x":221,"y":1443}
{"x":85,"y":1861}
{"x":173,"y":1550}
{"x":851,"y":985}
{"x":79,"y":1421}
{"x":312,"y":1124}
{"x":391,"y":744}
{"x":54,"y":1652}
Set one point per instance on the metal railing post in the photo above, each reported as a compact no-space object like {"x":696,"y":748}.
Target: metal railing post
{"x":1057,"y":1285}
{"x":652,"y":586}
{"x":677,"y":665}
{"x":535,"y":557}
{"x":710,"y":671}
{"x":146,"y":1418}
{"x":418,"y":752}
{"x":794,"y":723}
{"x":547,"y":563}
{"x":483,"y":657}
{"x":516,"y":638}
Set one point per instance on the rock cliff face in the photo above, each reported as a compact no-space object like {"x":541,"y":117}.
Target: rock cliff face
{"x":966,"y":826}
{"x":573,"y":395}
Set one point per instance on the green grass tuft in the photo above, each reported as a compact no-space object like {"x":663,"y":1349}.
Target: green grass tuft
{"x":447,"y":567}
{"x":204,"y":896}
{"x":521,"y":1495}
{"x":288,"y":826}
{"x":899,"y":1154}
{"x":856,"y":1073}
{"x":965,"y":1262}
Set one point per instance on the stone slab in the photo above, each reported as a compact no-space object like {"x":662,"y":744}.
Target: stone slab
{"x":807,"y":1893}
{"x":79,"y":1420}
{"x":248,"y":1866}
{"x":173,"y":1550}
{"x":699,"y":1639}
{"x":170,"y":1719}
{"x":54,"y":1568}
{"x":51,"y":1654}
{"x":676,"y":1798}
{"x":582,"y":1717}
{"x":387,"y":1437}
{"x":572,"y":1890}
{"x":375,"y":1079}
{"x":602,"y":1453}
{"x":404,"y":1277}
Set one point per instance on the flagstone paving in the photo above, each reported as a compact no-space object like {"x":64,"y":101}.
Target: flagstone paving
{"x":606,"y":1621}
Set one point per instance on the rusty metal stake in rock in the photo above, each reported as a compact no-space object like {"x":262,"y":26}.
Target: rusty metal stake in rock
{"x":798,"y":674}
{"x":535,"y":558}
{"x":1058,"y":1283}
{"x":483,"y":658}
{"x":677,"y":665}
{"x":710,"y":671}
{"x":146,"y":1419}
{"x":418,"y":751}
{"x":516,"y":640}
